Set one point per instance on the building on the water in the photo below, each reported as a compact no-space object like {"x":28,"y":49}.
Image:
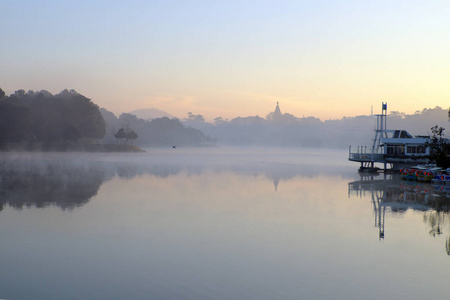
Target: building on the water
{"x":391,"y":148}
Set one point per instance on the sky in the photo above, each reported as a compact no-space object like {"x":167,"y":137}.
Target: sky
{"x":326,"y":59}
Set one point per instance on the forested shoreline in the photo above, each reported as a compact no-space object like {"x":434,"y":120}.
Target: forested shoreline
{"x":39,"y":120}
{"x":69,"y":121}
{"x":286,"y":130}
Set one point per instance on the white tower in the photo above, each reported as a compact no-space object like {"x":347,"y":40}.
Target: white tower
{"x":380,"y":132}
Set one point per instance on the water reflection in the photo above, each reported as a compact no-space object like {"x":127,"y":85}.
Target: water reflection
{"x":395,"y":196}
{"x":189,"y":226}
{"x":68,"y":181}
{"x":29,"y":183}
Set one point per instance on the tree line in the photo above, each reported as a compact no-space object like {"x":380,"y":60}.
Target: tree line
{"x":287,"y":130}
{"x":69,"y":118}
{"x":159,"y":132}
{"x":40,"y":117}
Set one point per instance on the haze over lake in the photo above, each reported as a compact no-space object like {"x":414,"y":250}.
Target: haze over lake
{"x":217,"y":223}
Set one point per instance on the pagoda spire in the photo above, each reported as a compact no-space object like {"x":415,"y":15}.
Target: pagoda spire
{"x":277,"y":113}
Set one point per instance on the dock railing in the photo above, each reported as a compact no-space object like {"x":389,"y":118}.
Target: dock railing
{"x":365,"y":154}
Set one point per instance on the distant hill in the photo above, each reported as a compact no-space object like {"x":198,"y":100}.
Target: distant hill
{"x":150,"y":113}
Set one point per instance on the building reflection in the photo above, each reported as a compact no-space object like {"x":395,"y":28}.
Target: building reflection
{"x":390,"y":194}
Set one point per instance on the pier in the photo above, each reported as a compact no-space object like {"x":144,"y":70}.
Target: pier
{"x":367,"y":158}
{"x":394,"y":149}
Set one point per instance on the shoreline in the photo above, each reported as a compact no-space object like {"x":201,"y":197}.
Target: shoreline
{"x":69,"y":147}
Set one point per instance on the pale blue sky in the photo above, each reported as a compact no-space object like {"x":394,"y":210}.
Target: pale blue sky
{"x":229,"y":58}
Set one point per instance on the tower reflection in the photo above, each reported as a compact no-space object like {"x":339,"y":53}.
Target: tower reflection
{"x":391,"y":194}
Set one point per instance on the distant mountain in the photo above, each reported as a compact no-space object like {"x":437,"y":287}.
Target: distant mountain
{"x":150,"y":113}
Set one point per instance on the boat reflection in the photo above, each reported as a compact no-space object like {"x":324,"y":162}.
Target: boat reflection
{"x":396,"y":196}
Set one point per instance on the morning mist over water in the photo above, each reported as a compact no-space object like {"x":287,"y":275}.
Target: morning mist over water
{"x":199,"y":150}
{"x":95,"y":206}
{"x":69,"y":121}
{"x":222,"y":223}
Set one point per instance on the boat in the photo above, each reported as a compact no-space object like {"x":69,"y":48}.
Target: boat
{"x":364,"y":169}
{"x":421,"y":173}
{"x":441,"y":179}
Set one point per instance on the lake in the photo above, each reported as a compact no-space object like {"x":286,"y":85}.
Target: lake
{"x":217,"y":223}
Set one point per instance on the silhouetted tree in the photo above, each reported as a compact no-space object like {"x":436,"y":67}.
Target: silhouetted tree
{"x":19,"y":93}
{"x":195,"y":118}
{"x":439,"y":147}
{"x":131,"y":135}
{"x":126,"y":134}
{"x":219,"y":121}
{"x":120,"y":134}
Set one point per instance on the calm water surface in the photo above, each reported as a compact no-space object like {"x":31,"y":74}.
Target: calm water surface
{"x":217,"y":224}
